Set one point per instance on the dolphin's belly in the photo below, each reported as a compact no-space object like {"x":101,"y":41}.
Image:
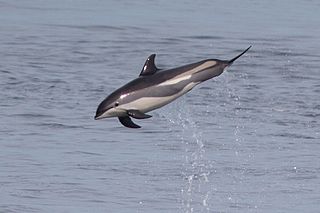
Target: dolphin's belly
{"x":149,"y":103}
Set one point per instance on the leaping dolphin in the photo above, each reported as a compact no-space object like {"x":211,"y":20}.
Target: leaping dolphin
{"x":154,"y":89}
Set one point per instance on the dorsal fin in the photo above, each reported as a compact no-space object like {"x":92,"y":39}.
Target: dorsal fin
{"x":149,"y":68}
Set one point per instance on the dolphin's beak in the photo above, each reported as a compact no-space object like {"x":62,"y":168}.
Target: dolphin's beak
{"x":96,"y":117}
{"x":100,"y":112}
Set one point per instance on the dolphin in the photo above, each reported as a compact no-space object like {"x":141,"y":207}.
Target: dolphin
{"x":154,"y":88}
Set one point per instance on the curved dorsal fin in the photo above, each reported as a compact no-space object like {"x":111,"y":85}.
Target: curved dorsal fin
{"x":149,"y":68}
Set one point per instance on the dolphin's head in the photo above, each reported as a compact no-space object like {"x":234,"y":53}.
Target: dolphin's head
{"x":110,"y":107}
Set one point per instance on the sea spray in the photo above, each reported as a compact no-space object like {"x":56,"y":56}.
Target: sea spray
{"x":195,"y":170}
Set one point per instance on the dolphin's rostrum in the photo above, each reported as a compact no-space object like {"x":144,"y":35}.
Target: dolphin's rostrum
{"x":154,"y":88}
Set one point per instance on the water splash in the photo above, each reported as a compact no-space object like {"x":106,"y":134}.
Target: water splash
{"x":195,"y":190}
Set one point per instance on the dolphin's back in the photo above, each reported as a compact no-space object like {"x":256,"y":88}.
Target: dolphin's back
{"x":159,"y":77}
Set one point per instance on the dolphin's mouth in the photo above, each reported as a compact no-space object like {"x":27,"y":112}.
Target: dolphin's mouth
{"x":99,"y":113}
{"x":112,"y":112}
{"x":97,"y":117}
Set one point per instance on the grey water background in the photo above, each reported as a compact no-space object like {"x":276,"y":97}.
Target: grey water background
{"x":247,"y":141}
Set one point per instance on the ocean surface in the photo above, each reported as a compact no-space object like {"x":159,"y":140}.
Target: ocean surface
{"x":246,"y":141}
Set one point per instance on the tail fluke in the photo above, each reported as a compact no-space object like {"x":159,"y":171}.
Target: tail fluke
{"x":235,"y":58}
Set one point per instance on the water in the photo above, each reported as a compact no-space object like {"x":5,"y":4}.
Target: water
{"x":247,"y":141}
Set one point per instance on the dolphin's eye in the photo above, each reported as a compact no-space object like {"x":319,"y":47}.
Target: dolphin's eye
{"x":116,"y":104}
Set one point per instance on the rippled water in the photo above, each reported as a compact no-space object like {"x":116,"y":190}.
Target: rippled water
{"x":247,"y":141}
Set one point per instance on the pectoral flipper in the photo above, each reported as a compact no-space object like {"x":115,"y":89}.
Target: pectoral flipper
{"x":127,"y":122}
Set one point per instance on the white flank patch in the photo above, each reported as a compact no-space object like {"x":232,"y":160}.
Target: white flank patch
{"x":187,"y":75}
{"x":203,"y":66}
{"x":175,"y":80}
{"x":147,"y":104}
{"x":189,"y":87}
